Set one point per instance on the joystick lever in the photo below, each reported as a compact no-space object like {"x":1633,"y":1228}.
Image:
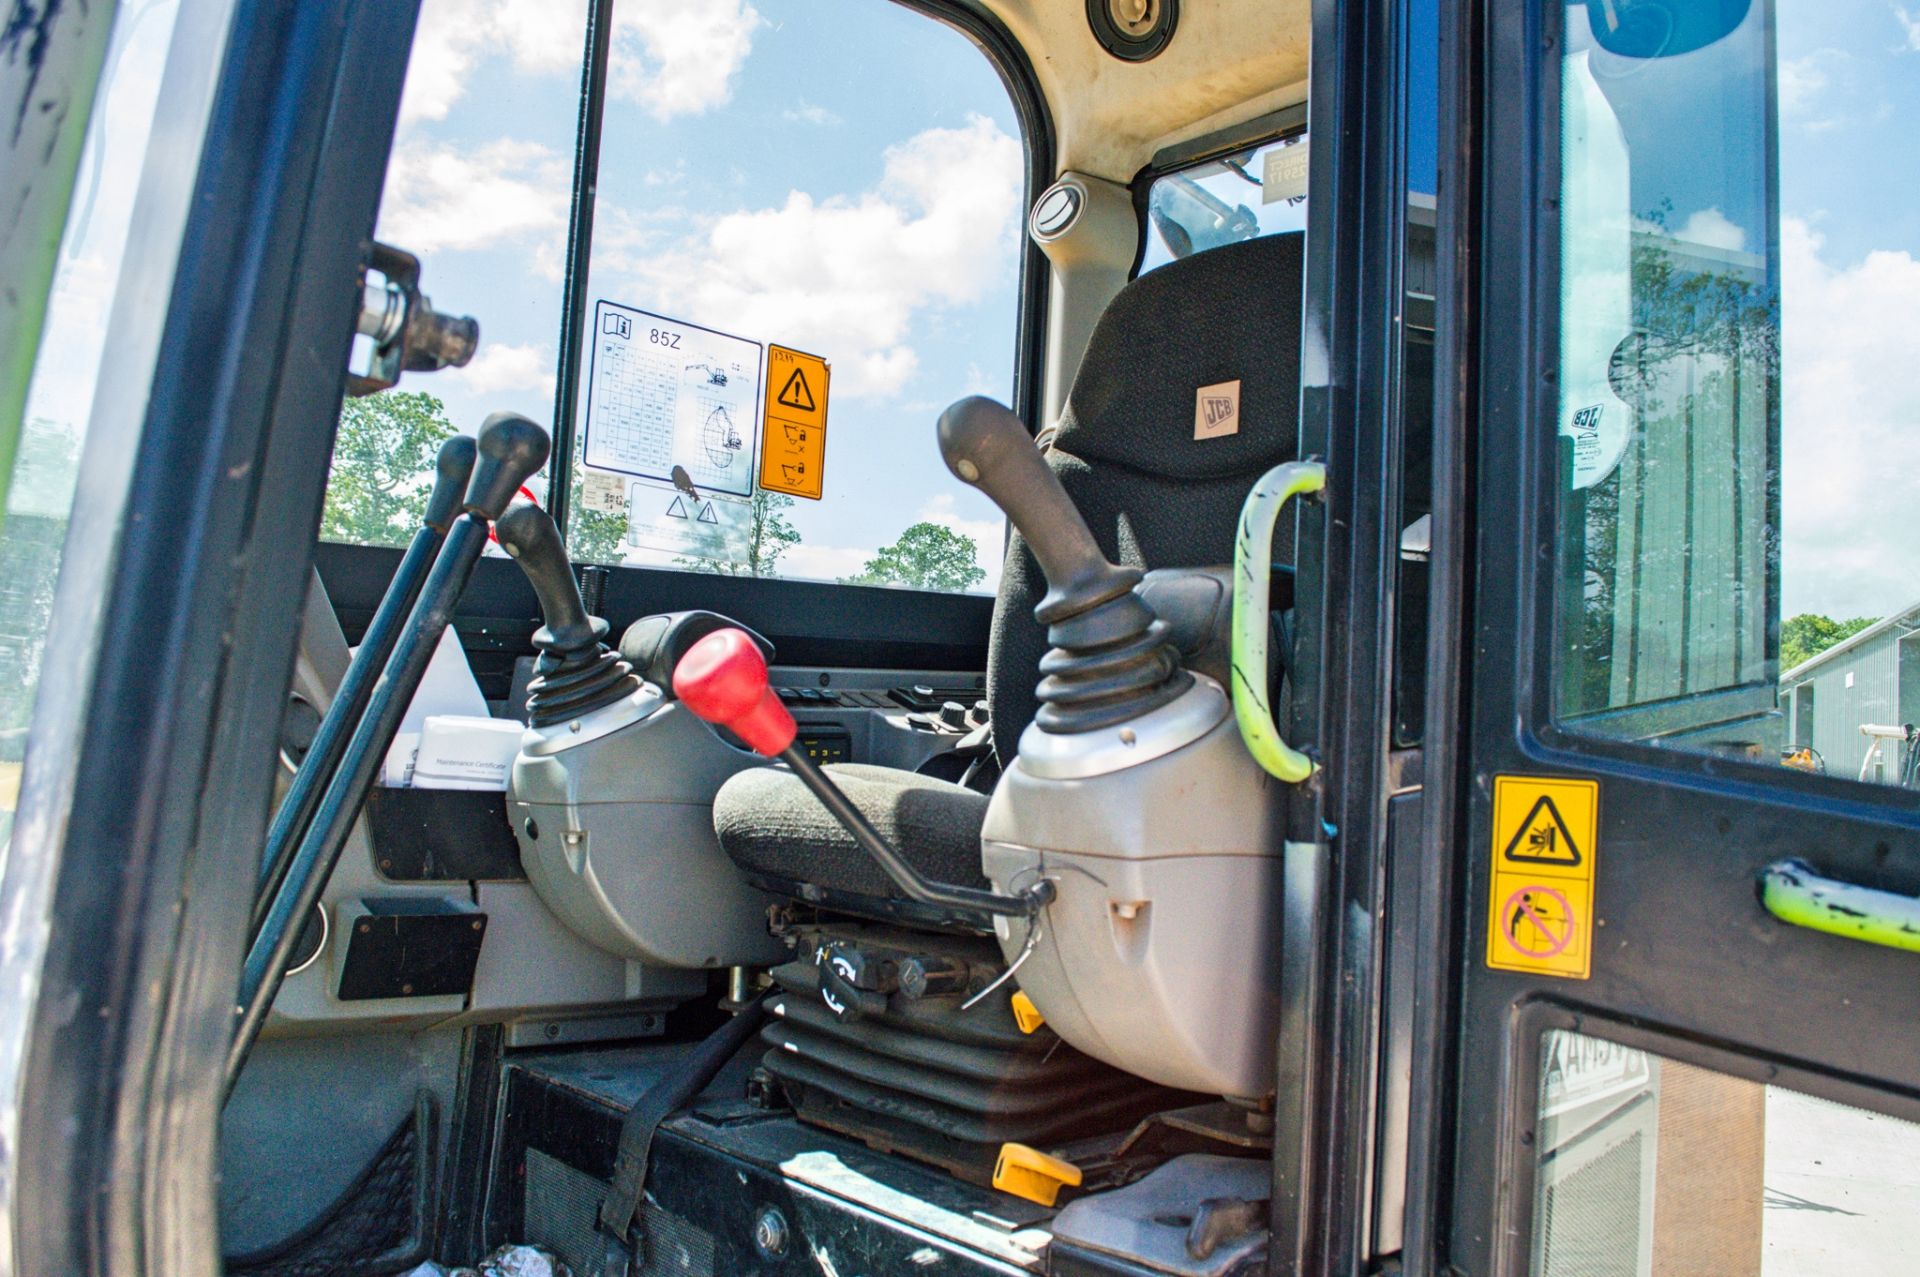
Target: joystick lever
{"x":577,"y":672}
{"x":723,"y":680}
{"x":1111,"y":660}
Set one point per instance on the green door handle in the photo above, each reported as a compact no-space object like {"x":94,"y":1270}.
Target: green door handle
{"x":1252,"y":575}
{"x":1795,"y":893}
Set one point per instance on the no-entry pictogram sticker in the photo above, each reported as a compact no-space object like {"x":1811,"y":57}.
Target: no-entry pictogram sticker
{"x":1545,"y":853}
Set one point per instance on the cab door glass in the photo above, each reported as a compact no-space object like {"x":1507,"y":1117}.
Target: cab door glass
{"x":1649,"y":1166}
{"x":1739,"y":316}
{"x":45,"y":465}
{"x":806,"y":244}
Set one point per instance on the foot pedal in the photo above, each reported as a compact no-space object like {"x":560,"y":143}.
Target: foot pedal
{"x":1028,"y":1173}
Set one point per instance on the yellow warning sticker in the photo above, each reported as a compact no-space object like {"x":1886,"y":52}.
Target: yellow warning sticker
{"x":795,"y":454}
{"x":1545,"y":848}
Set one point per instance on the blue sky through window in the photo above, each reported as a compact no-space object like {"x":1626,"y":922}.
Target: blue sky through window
{"x":844,"y":179}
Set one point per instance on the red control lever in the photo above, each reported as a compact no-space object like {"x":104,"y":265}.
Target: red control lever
{"x":723,"y":680}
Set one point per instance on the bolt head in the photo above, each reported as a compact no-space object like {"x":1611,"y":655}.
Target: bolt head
{"x":770,"y":1233}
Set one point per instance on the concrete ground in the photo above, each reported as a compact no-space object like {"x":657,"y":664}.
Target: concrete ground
{"x":1842,"y":1189}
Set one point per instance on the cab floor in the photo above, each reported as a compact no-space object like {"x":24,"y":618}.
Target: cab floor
{"x":733,"y":1188}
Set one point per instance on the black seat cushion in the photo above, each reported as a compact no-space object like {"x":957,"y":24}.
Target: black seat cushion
{"x":771,"y":825}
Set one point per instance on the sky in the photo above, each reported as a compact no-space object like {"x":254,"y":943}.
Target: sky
{"x":1849,"y":86}
{"x":844,"y":179}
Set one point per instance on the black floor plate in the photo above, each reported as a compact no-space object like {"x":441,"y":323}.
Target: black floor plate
{"x":719,"y":1169}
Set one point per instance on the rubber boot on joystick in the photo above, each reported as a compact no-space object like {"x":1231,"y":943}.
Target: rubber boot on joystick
{"x":1111,"y":660}
{"x":576,"y":672}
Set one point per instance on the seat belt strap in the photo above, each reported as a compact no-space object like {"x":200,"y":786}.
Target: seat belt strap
{"x":619,"y":1220}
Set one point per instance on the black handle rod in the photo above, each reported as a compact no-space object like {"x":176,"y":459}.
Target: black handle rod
{"x":454,"y":469}
{"x":510,"y":449}
{"x":985,"y":445}
{"x":909,"y":879}
{"x":530,"y":537}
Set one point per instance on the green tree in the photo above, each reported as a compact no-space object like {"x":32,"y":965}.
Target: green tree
{"x":926,"y":557}
{"x":769,"y":535}
{"x":593,"y":536}
{"x":383,"y":467}
{"x":1805,"y":636}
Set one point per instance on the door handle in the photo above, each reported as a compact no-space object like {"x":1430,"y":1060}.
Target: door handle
{"x":1793,"y":892}
{"x":1252,"y":577}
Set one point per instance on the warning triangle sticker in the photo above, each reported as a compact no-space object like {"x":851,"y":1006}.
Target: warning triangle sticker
{"x":707,"y":515}
{"x":676,"y":510}
{"x":1543,"y":838}
{"x":796,"y":393}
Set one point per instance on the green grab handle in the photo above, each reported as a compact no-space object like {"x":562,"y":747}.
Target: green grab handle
{"x":1252,"y":571}
{"x":1793,"y":892}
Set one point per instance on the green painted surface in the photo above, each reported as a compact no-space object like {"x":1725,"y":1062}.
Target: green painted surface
{"x":1252,"y":577}
{"x":1793,"y":892}
{"x":48,"y":78}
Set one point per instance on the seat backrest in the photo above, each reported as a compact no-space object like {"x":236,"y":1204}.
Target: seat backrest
{"x":1154,"y":494}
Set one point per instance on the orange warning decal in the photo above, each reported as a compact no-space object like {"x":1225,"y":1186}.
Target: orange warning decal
{"x":794,"y":457}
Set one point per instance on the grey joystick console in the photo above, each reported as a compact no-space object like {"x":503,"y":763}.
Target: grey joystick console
{"x":1111,"y":660}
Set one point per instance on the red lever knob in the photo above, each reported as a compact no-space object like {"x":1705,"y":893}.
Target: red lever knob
{"x":723,"y":680}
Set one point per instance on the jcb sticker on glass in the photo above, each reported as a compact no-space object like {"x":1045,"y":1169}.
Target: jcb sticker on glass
{"x":1545,"y":852}
{"x":795,"y":455}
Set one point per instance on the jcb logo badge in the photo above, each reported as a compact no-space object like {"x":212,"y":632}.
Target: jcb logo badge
{"x":1216,"y":410}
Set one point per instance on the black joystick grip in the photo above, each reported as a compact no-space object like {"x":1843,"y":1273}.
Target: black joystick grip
{"x":576,"y":673}
{"x":985,"y":445}
{"x":512,"y":450}
{"x":454,"y":468}
{"x":527,"y":533}
{"x":1111,"y":661}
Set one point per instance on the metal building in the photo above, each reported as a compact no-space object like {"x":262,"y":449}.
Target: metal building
{"x":1871,"y":680}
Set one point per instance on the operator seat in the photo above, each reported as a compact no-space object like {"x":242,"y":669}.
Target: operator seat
{"x":1154,"y":495}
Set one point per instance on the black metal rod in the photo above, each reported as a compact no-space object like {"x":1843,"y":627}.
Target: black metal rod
{"x":1025,"y":905}
{"x":350,"y":698}
{"x":312,"y":864}
{"x":510,"y":448}
{"x":574,"y":336}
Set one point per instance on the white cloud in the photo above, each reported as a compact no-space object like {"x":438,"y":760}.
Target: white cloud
{"x":673,"y":57}
{"x":1909,"y":21}
{"x":1850,"y":428}
{"x":1706,"y":228}
{"x":822,"y":562}
{"x":989,"y":536}
{"x":450,"y":197}
{"x":847,"y":276}
{"x":503,"y":366}
{"x":1801,"y":80}
{"x":808,"y":113}
{"x":1711,"y":228}
{"x":678,"y":57}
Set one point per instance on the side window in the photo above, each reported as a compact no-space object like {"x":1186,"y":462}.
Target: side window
{"x":1739,"y":302}
{"x":806,"y":243}
{"x":1261,"y":190}
{"x":478,"y":189}
{"x":40,"y":470}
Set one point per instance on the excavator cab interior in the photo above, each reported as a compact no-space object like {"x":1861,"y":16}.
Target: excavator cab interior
{"x":1004,"y":992}
{"x":928,"y":636}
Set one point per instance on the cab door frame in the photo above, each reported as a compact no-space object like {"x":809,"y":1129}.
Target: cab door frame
{"x":1337,"y":1137}
{"x":1692,"y":967}
{"x":135,"y":851}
